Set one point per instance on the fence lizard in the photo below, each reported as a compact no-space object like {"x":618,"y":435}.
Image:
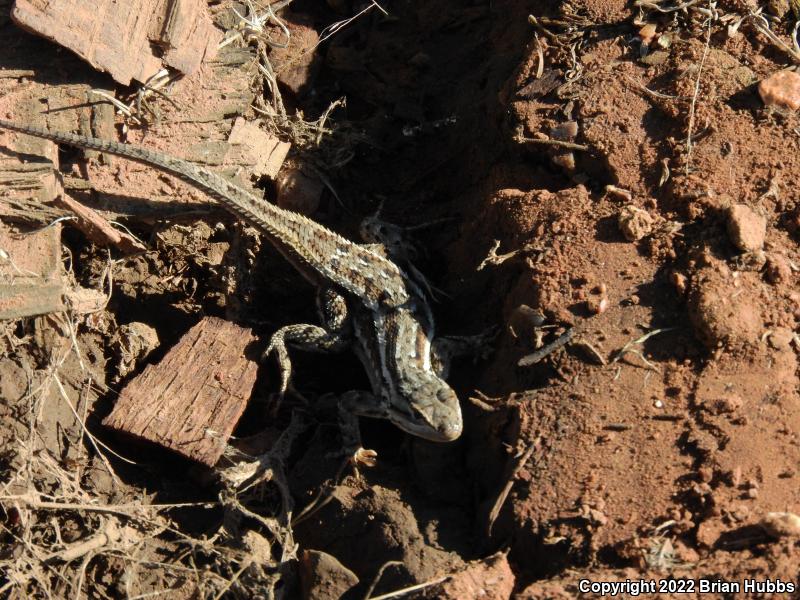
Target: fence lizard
{"x":366,"y":302}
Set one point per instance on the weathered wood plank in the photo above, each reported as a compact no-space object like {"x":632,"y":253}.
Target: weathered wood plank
{"x":191,"y":400}
{"x":120,"y":37}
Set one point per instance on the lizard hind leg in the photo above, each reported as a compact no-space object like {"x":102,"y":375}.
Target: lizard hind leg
{"x":353,"y":404}
{"x":333,"y":311}
{"x":445,"y":349}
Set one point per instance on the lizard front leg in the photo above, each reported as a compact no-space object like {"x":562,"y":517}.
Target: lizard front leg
{"x":352,"y":405}
{"x":335,"y":336}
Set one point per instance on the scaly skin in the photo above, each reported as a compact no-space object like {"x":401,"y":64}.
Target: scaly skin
{"x":367,"y":302}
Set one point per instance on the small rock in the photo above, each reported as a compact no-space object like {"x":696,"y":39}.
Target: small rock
{"x":779,"y":8}
{"x":778,"y":269}
{"x":564,"y":131}
{"x":295,"y":65}
{"x":525,"y":319}
{"x":708,"y":533}
{"x":298,"y":189}
{"x":634,"y":223}
{"x":680,"y":281}
{"x":619,"y":193}
{"x":720,"y":317}
{"x":565,"y":160}
{"x":781,"y":338}
{"x":322,"y":577}
{"x":655,"y":58}
{"x":487,"y":579}
{"x":781,"y":89}
{"x":706,"y":474}
{"x":781,"y":524}
{"x":746,"y":228}
{"x":739,"y":513}
{"x":258,"y":548}
{"x":597,"y":305}
{"x":736,"y":476}
{"x":647,"y":33}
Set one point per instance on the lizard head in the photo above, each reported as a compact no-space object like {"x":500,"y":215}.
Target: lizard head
{"x":417,"y":399}
{"x":428,"y":409}
{"x":423,"y":405}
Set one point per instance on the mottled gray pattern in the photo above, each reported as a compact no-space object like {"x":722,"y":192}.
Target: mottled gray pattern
{"x":366,"y":302}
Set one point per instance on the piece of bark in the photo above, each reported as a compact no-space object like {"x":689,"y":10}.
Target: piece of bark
{"x":257,"y":147}
{"x":96,"y":228}
{"x":121,"y":37}
{"x":24,"y":189}
{"x":30,"y":273}
{"x":191,"y":400}
{"x":30,"y":265}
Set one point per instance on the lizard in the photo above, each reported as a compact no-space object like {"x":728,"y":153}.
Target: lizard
{"x":365,"y":302}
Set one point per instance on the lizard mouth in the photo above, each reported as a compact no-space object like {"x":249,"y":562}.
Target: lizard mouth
{"x":446,"y":432}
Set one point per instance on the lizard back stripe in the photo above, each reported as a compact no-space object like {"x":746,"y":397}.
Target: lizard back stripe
{"x":310,"y":247}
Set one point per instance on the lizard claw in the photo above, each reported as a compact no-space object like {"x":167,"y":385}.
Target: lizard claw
{"x":364,"y":457}
{"x":357,"y":457}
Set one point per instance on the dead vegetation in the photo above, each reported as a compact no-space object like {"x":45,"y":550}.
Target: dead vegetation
{"x":627,"y":161}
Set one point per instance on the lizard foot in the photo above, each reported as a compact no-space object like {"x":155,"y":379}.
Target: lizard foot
{"x":357,"y":457}
{"x":361,"y":456}
{"x":364,"y":457}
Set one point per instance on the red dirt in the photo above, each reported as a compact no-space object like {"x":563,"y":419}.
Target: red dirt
{"x":658,"y":441}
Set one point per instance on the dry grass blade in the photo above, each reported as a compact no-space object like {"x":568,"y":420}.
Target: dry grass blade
{"x":334,"y":28}
{"x":761,"y":25}
{"x":696,"y":93}
{"x":657,"y":5}
{"x":629,"y":348}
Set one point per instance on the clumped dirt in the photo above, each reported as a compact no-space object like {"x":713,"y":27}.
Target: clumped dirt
{"x":597,"y":167}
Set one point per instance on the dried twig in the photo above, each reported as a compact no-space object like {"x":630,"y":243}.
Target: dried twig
{"x":629,"y":347}
{"x":501,"y":497}
{"x":412,"y":588}
{"x":548,"y":142}
{"x":334,"y":28}
{"x":696,"y":93}
{"x":656,"y":5}
{"x":559,"y":342}
{"x":762,"y":26}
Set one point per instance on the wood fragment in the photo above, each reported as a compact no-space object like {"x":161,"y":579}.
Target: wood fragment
{"x":96,"y":228}
{"x":541,"y":86}
{"x":560,"y":341}
{"x":126,"y":39}
{"x":191,"y":401}
{"x":264,"y":151}
{"x":30,"y":264}
{"x":549,"y":142}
